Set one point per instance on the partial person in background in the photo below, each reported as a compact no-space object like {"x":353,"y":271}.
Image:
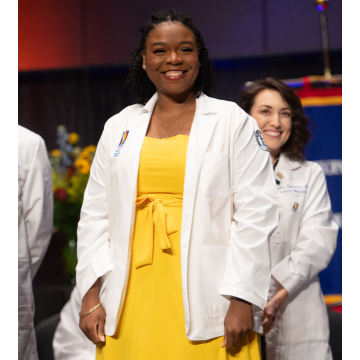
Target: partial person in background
{"x":295,"y":318}
{"x":70,"y":343}
{"x":35,"y":224}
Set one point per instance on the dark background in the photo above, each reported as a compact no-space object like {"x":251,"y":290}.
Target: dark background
{"x":74,"y":54}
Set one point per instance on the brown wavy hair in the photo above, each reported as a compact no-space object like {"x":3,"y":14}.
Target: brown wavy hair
{"x":300,"y":135}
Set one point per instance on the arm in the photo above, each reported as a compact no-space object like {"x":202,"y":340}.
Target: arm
{"x":256,"y":213}
{"x":247,"y":272}
{"x":37,"y":195}
{"x":93,"y":244}
{"x":316,"y":241}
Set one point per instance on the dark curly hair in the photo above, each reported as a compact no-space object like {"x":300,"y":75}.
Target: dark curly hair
{"x":300,"y":135}
{"x":139,"y":83}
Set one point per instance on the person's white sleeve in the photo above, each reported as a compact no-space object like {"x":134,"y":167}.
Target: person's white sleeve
{"x":316,"y":241}
{"x":256,"y":215}
{"x":69,"y":342}
{"x":93,"y":238}
{"x":38,"y":205}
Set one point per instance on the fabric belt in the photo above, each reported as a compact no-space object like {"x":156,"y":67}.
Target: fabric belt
{"x":157,"y":217}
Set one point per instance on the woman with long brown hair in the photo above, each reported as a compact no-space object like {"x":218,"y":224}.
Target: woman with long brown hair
{"x":295,"y":317}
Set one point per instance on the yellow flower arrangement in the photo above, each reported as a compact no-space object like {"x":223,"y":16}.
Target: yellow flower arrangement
{"x":83,"y":165}
{"x":85,"y":158}
{"x":90,"y":149}
{"x":55,"y":152}
{"x":70,"y":166}
{"x":76,"y":151}
{"x":73,"y":138}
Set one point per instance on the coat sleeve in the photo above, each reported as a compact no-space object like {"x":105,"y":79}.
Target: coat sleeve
{"x":37,"y":195}
{"x":93,"y":238}
{"x":316,"y":241}
{"x":256,"y":214}
{"x":69,"y":342}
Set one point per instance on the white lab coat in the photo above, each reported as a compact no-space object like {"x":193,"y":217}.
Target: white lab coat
{"x":301,"y":246}
{"x":222,"y":255}
{"x":69,"y":342}
{"x":35,"y":224}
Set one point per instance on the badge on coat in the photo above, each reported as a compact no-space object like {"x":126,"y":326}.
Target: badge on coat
{"x":260,"y":140}
{"x":122,"y":142}
{"x":296,"y":205}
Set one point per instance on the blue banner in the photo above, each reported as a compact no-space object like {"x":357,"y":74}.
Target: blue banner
{"x":325,"y":148}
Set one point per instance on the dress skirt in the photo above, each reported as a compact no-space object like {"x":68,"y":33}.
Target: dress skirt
{"x":152,"y":325}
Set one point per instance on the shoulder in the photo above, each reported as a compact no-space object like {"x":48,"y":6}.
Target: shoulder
{"x":32,"y":153}
{"x":124,"y":115}
{"x":307,"y":169}
{"x":27,"y":138}
{"x":29,"y":144}
{"x":316,"y":170}
{"x":228,"y":111}
{"x":222,"y":106}
{"x":312,"y":167}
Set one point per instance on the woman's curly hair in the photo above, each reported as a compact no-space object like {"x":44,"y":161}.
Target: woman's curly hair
{"x":300,"y":135}
{"x":139,"y":83}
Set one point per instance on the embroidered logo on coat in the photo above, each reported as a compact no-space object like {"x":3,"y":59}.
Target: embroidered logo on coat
{"x":122,"y":142}
{"x":260,"y":141}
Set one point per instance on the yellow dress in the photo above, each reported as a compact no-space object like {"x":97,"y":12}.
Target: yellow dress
{"x":152,"y":324}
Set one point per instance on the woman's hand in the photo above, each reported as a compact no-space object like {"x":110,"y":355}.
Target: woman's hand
{"x":272,"y":307}
{"x":93,"y":324}
{"x":238,"y":323}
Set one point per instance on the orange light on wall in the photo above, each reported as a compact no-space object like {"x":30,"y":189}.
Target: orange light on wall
{"x":49,"y":34}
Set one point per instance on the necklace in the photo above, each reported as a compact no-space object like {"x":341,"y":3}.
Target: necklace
{"x":166,"y":128}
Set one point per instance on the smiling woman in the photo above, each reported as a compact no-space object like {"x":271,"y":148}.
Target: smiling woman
{"x":173,"y":258}
{"x":295,"y":318}
{"x":280,"y":116}
{"x":172,"y":60}
{"x":190,"y":43}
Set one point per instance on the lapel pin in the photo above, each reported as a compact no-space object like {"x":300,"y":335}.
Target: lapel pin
{"x":280,"y":175}
{"x":296,"y":205}
{"x":122,"y":142}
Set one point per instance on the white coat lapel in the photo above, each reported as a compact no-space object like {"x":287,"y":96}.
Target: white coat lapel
{"x":139,"y":125}
{"x":202,"y":129}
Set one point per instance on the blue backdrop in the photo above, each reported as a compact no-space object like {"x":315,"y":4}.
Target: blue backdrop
{"x":326,"y":149}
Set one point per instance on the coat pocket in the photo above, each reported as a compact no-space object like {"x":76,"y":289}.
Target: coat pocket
{"x":290,"y":209}
{"x":213,"y":261}
{"x":214,"y":176}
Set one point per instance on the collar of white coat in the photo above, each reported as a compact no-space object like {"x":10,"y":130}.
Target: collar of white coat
{"x":204,"y":105}
{"x":286,"y":164}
